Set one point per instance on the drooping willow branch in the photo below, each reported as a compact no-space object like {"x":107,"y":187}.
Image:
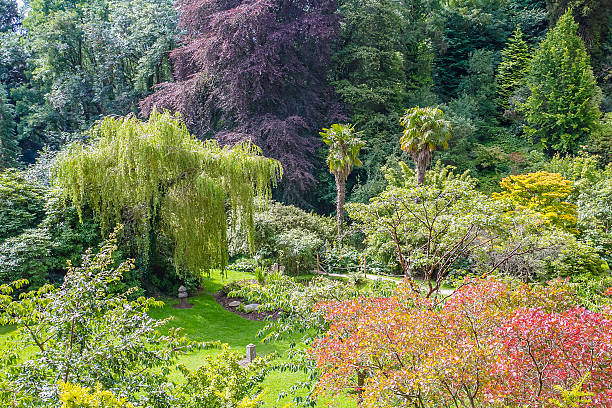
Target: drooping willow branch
{"x":167,"y":179}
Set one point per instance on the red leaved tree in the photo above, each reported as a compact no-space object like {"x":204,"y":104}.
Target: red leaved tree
{"x":256,"y":69}
{"x":491,"y":344}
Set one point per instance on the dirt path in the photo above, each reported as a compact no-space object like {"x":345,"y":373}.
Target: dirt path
{"x":443,"y":292}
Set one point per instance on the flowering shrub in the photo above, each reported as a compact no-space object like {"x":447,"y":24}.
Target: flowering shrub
{"x":493,"y":343}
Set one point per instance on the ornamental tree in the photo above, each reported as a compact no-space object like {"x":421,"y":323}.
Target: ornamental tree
{"x":563,"y":108}
{"x":513,"y":67}
{"x":162,"y":180}
{"x":256,"y":70}
{"x":86,"y":333}
{"x":425,"y":130}
{"x":544,"y":193}
{"x":469,"y":352}
{"x":344,"y":146}
{"x":431,"y":228}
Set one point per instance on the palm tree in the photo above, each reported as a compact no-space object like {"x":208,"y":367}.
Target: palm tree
{"x":344,"y":146}
{"x":424,"y":130}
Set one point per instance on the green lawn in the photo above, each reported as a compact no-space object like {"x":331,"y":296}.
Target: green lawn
{"x":208,"y":321}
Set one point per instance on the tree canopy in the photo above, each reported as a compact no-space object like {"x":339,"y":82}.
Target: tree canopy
{"x":160,"y":177}
{"x":256,"y":71}
{"x":425,"y":130}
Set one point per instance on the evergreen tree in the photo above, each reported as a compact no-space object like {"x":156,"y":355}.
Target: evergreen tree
{"x":9,"y":149}
{"x":563,"y":108}
{"x":513,"y":67}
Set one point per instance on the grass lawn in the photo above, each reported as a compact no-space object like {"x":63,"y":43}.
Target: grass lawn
{"x":208,"y":321}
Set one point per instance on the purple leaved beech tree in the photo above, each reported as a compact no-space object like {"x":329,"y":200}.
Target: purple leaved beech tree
{"x":257,"y":70}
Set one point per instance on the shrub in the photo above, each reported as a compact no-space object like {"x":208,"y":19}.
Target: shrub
{"x":74,"y":396}
{"x":84,"y":334}
{"x":27,"y":256}
{"x":273,"y":219}
{"x":40,"y":254}
{"x":222,"y":382}
{"x":298,"y":250}
{"x":343,"y":259}
{"x":473,"y":350}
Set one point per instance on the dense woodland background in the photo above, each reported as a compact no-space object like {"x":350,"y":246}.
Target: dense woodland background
{"x":277,"y":71}
{"x":525,"y":86}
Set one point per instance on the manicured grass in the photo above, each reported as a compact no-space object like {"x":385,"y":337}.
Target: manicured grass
{"x":208,"y":321}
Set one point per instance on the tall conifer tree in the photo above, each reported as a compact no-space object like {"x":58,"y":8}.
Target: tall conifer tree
{"x":563,"y":108}
{"x":513,"y":67}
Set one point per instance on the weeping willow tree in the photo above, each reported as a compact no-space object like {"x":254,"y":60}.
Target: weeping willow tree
{"x":162,"y":179}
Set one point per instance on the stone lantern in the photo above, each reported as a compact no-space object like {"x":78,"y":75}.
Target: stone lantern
{"x":182,"y":295}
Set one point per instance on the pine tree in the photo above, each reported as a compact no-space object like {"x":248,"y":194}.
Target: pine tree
{"x":563,"y":108}
{"x":512,"y":69}
{"x":9,"y":149}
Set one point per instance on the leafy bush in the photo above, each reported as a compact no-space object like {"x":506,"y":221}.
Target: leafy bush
{"x":21,"y":204}
{"x":40,"y":254}
{"x":492,"y":343}
{"x":273,"y":219}
{"x":84,"y":334}
{"x":578,"y":260}
{"x":244,"y":264}
{"x":294,"y":300}
{"x":27,"y":256}
{"x":222,"y":382}
{"x":344,"y":259}
{"x":298,"y":250}
{"x":74,"y":396}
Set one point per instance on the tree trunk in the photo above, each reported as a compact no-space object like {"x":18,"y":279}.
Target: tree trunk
{"x":341,"y":193}
{"x":421,"y":161}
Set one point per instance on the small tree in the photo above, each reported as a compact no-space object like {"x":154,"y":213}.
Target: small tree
{"x":425,"y":130}
{"x":563,"y":108}
{"x":344,"y":146}
{"x":544,"y":193}
{"x":513,"y":67}
{"x":85,"y":333}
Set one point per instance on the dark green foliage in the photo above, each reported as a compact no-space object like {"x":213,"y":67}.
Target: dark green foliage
{"x":383,"y":62}
{"x":512,"y":69}
{"x":82,"y":60}
{"x":473,"y":25}
{"x":9,"y":15}
{"x":9,"y":148}
{"x":562,"y":110}
{"x":21,"y":204}
{"x":600,"y":142}
{"x":594,"y":18}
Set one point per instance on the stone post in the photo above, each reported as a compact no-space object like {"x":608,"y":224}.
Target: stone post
{"x":250,"y":353}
